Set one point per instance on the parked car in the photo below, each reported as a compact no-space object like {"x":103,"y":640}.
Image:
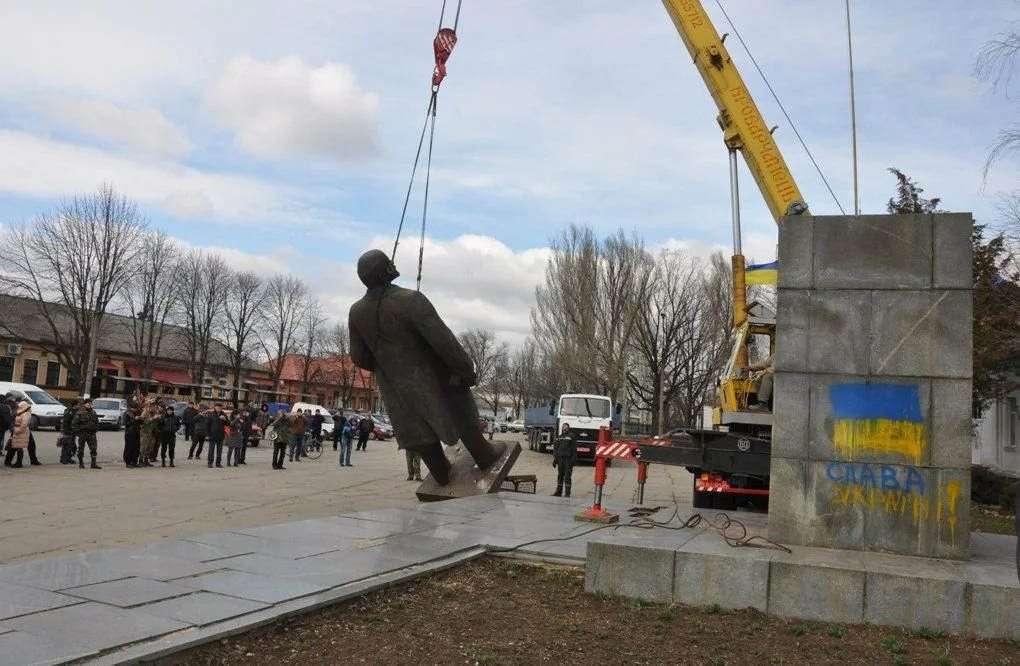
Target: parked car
{"x":110,"y":411}
{"x":46,"y":410}
{"x":382,"y":430}
{"x":515,"y":426}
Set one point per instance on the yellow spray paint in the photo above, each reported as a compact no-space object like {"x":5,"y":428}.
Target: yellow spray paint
{"x":854,"y":436}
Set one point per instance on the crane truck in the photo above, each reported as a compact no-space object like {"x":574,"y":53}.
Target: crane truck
{"x":730,"y":462}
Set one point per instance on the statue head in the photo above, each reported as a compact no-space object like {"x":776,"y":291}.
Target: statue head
{"x":376,"y":270}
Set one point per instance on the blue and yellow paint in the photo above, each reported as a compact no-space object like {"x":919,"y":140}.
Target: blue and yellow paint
{"x":883,"y":418}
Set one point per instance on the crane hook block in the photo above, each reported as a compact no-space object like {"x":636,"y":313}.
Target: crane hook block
{"x":443,"y":45}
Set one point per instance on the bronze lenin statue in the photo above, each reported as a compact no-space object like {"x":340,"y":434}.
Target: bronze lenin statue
{"x":424,"y":374}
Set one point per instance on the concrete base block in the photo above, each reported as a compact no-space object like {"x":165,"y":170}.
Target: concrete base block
{"x":467,"y":479}
{"x":630,"y":571}
{"x":907,"y":601}
{"x":807,"y":592}
{"x":979,"y":598}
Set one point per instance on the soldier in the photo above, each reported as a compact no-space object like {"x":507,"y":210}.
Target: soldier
{"x":564,"y":457}
{"x":86,"y":424}
{"x":424,"y":374}
{"x":150,"y":435}
{"x":67,"y":434}
{"x":168,"y":423}
{"x":413,"y":465}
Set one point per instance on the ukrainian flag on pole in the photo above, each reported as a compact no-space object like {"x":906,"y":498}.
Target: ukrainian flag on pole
{"x":762,"y":274}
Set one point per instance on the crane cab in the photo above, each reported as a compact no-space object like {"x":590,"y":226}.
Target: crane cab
{"x":752,"y":342}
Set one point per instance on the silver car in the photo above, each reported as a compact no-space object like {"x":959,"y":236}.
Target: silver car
{"x":110,"y":412}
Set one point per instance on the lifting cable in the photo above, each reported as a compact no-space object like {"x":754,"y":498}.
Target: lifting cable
{"x":781,"y":107}
{"x":442,"y":46}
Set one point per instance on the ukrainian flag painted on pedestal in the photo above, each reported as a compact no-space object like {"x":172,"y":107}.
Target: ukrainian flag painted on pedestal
{"x":763,"y":274}
{"x":878,"y":417}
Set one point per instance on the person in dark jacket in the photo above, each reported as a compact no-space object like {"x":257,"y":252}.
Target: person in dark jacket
{"x":247,"y":421}
{"x":6,"y":414}
{"x":216,"y":423}
{"x":132,"y":435}
{"x":235,"y":439}
{"x":564,"y":457}
{"x":168,"y":425}
{"x":317,"y":420}
{"x":86,"y":424}
{"x":262,"y":420}
{"x":189,"y":417}
{"x":198,"y":436}
{"x":365,"y":428}
{"x":338,"y":429}
{"x":281,"y":437}
{"x":67,"y":434}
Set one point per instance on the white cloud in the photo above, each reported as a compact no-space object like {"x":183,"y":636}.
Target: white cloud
{"x":39,"y":167}
{"x":286,"y":108}
{"x":143,"y":129}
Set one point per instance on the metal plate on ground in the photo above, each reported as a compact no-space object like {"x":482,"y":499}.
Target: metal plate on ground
{"x":467,"y":479}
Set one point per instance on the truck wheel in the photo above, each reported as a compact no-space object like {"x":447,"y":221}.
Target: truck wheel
{"x":724,"y":502}
{"x":702,"y":500}
{"x":541,"y":447}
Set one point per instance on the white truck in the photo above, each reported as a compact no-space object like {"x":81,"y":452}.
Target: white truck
{"x":585,"y":414}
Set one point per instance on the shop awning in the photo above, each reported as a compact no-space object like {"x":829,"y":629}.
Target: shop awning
{"x":106,"y":365}
{"x":164,"y":376}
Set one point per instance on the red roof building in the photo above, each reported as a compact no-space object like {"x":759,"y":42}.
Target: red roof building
{"x":331,"y":381}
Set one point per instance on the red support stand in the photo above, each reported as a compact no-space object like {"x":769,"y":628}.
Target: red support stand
{"x":642,"y":476}
{"x":596,"y":514}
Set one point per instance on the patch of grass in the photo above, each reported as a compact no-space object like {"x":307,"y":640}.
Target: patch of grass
{"x":713,"y":609}
{"x":942,"y":657}
{"x":508,"y":569}
{"x":371,"y":618}
{"x":842,"y":654}
{"x":660,"y":629}
{"x":899,"y":660}
{"x":478,"y":657}
{"x":605,"y":596}
{"x":836,"y":630}
{"x":638,"y":603}
{"x":927,"y":634}
{"x":797,"y":630}
{"x":753,"y":626}
{"x":399,"y":604}
{"x":603,"y":635}
{"x":716,"y":661}
{"x":447,"y":594}
{"x":698,"y":625}
{"x":986,"y":519}
{"x":777,"y":659}
{"x":668,"y":613}
{"x":894,"y":645}
{"x":564,"y":578}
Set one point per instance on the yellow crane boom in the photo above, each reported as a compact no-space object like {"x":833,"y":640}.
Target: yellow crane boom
{"x":743,"y":127}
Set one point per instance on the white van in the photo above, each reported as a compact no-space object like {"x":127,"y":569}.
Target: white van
{"x":46,"y":410}
{"x":309,"y":411}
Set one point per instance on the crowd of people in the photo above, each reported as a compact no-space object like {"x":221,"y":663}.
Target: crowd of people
{"x":151,"y":427}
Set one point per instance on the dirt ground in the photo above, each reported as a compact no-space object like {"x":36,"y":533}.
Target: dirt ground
{"x":495,"y":611}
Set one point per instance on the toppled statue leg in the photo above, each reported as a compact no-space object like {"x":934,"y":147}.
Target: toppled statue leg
{"x":436,"y":462}
{"x":484,"y":452}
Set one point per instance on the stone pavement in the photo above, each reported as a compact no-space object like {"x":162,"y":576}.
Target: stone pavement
{"x":58,"y":510}
{"x":122,"y":606}
{"x":135,"y":605}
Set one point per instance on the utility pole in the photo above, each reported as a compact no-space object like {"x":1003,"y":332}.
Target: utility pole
{"x":90,"y":372}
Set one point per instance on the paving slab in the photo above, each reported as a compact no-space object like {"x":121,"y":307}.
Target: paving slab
{"x":255,"y":587}
{"x":17,"y":647}
{"x":202,"y":608}
{"x":253,"y":544}
{"x":128,"y":592}
{"x":18,"y":600}
{"x":94,"y":626}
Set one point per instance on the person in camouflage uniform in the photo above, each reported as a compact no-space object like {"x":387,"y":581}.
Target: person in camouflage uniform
{"x":86,"y":425}
{"x":150,"y":435}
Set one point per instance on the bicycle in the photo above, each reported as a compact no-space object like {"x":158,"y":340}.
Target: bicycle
{"x":313,"y":449}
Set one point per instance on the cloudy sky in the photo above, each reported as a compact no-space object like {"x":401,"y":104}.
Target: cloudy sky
{"x":282,"y":133}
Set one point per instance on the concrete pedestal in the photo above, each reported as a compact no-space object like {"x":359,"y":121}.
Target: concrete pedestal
{"x":871,"y":442}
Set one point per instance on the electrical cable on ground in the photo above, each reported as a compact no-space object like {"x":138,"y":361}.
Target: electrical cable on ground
{"x":721,"y":525}
{"x":781,"y":107}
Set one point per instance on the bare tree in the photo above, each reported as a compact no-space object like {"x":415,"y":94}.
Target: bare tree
{"x":72,"y":263}
{"x":481,"y":345}
{"x":311,"y":332}
{"x":205,"y":281}
{"x":245,"y":298}
{"x":587,"y":310}
{"x":523,"y":379}
{"x":996,"y":63}
{"x":342,"y":372}
{"x":149,"y":300}
{"x":286,"y":302}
